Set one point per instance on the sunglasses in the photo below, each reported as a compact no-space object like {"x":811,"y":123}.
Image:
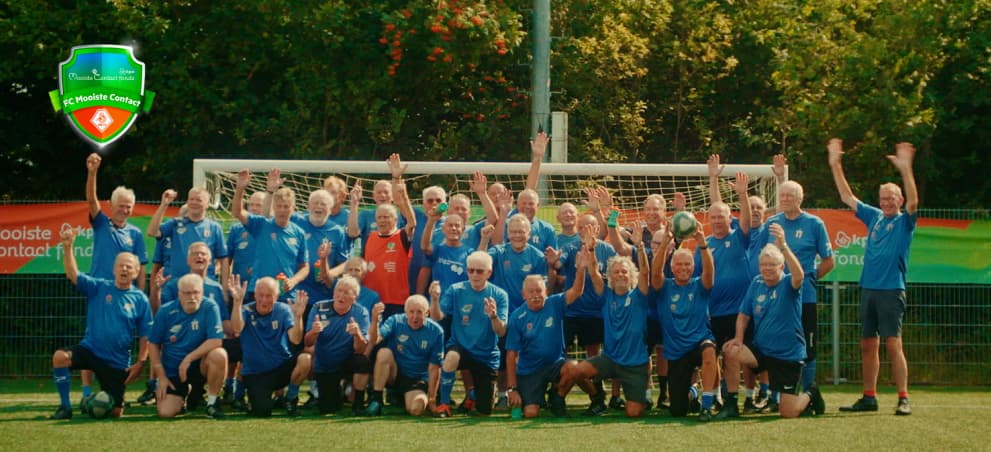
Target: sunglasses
{"x":477,"y":270}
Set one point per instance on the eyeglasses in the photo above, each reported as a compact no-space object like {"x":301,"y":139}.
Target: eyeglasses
{"x":433,"y":200}
{"x":477,"y":270}
{"x":190,"y":292}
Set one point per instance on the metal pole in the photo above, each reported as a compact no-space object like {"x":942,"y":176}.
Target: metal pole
{"x":836,"y":333}
{"x":540,"y":78}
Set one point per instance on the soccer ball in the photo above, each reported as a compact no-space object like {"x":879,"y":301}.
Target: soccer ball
{"x":100,"y":405}
{"x":683,"y":225}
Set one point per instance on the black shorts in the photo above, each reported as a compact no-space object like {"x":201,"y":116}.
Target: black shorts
{"x":588,"y":331}
{"x":502,"y":352}
{"x":194,"y":380}
{"x":633,"y":378}
{"x":404,"y":384}
{"x":233,"y":348}
{"x":484,"y":378}
{"x":261,"y":386}
{"x":783,"y":376}
{"x":810,"y":327}
{"x":331,"y":391}
{"x":881,"y":312}
{"x":681,"y":373}
{"x":111,"y":379}
{"x":724,"y":329}
{"x":533,"y":387}
{"x":654,"y":335}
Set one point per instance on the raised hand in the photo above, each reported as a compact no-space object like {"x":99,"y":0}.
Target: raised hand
{"x":636,"y":233}
{"x":273,"y":180}
{"x":479,"y":183}
{"x":434,"y":291}
{"x":324,"y":250}
{"x":538,"y":146}
{"x":699,"y":235}
{"x":236,"y":288}
{"x":317,"y":326}
{"x":68,"y":236}
{"x":396,"y":166}
{"x":715,"y":168}
{"x":170,"y":195}
{"x":903,"y":156}
{"x":779,"y":235}
{"x":487,"y":231}
{"x":552,"y":256}
{"x":352,"y":328}
{"x":593,"y":198}
{"x":582,"y":259}
{"x":835,"y":149}
{"x":299,"y":305}
{"x":93,"y":162}
{"x":741,"y":183}
{"x":490,"y":307}
{"x":159,"y":279}
{"x":780,"y":161}
{"x":378,"y":309}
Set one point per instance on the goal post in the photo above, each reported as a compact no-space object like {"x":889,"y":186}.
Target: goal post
{"x":629,"y":183}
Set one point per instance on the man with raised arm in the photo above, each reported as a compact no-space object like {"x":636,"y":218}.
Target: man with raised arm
{"x":116,"y":311}
{"x":478,"y":311}
{"x":194,"y":227}
{"x":186,"y":349}
{"x":280,"y":251}
{"x":774,"y":302}
{"x":411,"y":358}
{"x":882,"y":283}
{"x":683,"y":304}
{"x":807,"y":238}
{"x":267,"y":329}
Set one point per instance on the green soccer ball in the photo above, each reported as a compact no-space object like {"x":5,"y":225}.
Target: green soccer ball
{"x":683,"y":225}
{"x":99,"y":405}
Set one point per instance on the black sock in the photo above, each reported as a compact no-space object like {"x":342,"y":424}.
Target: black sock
{"x":663,"y":385}
{"x":375,"y":396}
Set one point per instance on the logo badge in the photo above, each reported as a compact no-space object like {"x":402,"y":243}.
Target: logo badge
{"x":102,"y":91}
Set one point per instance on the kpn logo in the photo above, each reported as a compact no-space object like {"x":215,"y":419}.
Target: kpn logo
{"x":102,"y":91}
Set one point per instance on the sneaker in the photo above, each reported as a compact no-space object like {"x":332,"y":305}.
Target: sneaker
{"x":62,"y":412}
{"x":82,"y":403}
{"x":862,"y":404}
{"x":705,"y":416}
{"x":760,"y":399}
{"x":559,"y":407}
{"x":596,"y":408}
{"x":374,"y":408}
{"x":617,"y":403}
{"x":904,"y":409}
{"x":661,"y":403}
{"x":148,"y":396}
{"x":291,"y":407}
{"x":749,"y":407}
{"x":311,"y":402}
{"x":816,"y":401}
{"x":239,"y":404}
{"x":771,"y":407}
{"x":502,"y":403}
{"x":358,"y":408}
{"x":729,"y":411}
{"x":213,"y":410}
{"x":694,"y":406}
{"x":649,"y":405}
{"x":443,"y":410}
{"x":228,"y":397}
{"x":467,"y":405}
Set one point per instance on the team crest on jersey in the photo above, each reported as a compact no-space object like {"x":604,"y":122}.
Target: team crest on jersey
{"x":194,"y":325}
{"x":526,"y":268}
{"x":529,"y":326}
{"x":173,"y":339}
{"x":206,"y":233}
{"x":761,"y":298}
{"x":727,"y":244}
{"x":403,"y":337}
{"x":127,"y":241}
{"x":181,"y":230}
{"x":242,"y":246}
{"x":691,"y":297}
{"x":292,"y":241}
{"x":774,"y":295}
{"x":275,"y":324}
{"x":307,"y":235}
{"x":109,"y":298}
{"x":175,"y":329}
{"x":549,"y":322}
{"x":129,"y":308}
{"x":390,"y":246}
{"x":371,"y":266}
{"x":465,"y":320}
{"x":674,"y":307}
{"x":758,"y":310}
{"x":400,"y":348}
{"x":889,"y":227}
{"x":273,"y":236}
{"x":799,"y":233}
{"x":627,"y":303}
{"x":675,"y":298}
{"x":424,"y":344}
{"x":244,"y":235}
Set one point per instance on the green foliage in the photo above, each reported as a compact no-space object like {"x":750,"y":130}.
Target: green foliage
{"x":643,"y":81}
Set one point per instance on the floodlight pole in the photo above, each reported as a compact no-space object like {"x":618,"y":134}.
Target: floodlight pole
{"x":540,"y":78}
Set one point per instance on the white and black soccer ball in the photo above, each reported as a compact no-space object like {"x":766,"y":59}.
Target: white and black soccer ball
{"x":683,"y":225}
{"x":99,"y":405}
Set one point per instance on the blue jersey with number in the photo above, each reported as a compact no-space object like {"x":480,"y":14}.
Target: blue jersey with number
{"x":414,"y":350}
{"x":109,"y":241}
{"x":334,"y":344}
{"x":538,"y":336}
{"x":777,"y":315}
{"x":179,"y":333}
{"x":587,"y":306}
{"x":241,"y":247}
{"x":212,"y":290}
{"x":807,"y":237}
{"x":732,"y":274}
{"x":511,"y":267}
{"x":470,"y":325}
{"x":183,"y":232}
{"x":684,"y":317}
{"x":278,"y":250}
{"x":448,"y":264}
{"x":625,"y":322}
{"x":886,"y":253}
{"x":265,"y":338}
{"x":113,"y":316}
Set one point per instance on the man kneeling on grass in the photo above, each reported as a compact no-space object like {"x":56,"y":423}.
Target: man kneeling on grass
{"x":774,"y":302}
{"x":185,"y":349}
{"x":410,"y":360}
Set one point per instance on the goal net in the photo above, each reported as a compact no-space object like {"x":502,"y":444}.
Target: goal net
{"x":629,"y":184}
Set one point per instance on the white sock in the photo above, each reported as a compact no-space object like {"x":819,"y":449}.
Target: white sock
{"x":211,"y":399}
{"x":314,"y":390}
